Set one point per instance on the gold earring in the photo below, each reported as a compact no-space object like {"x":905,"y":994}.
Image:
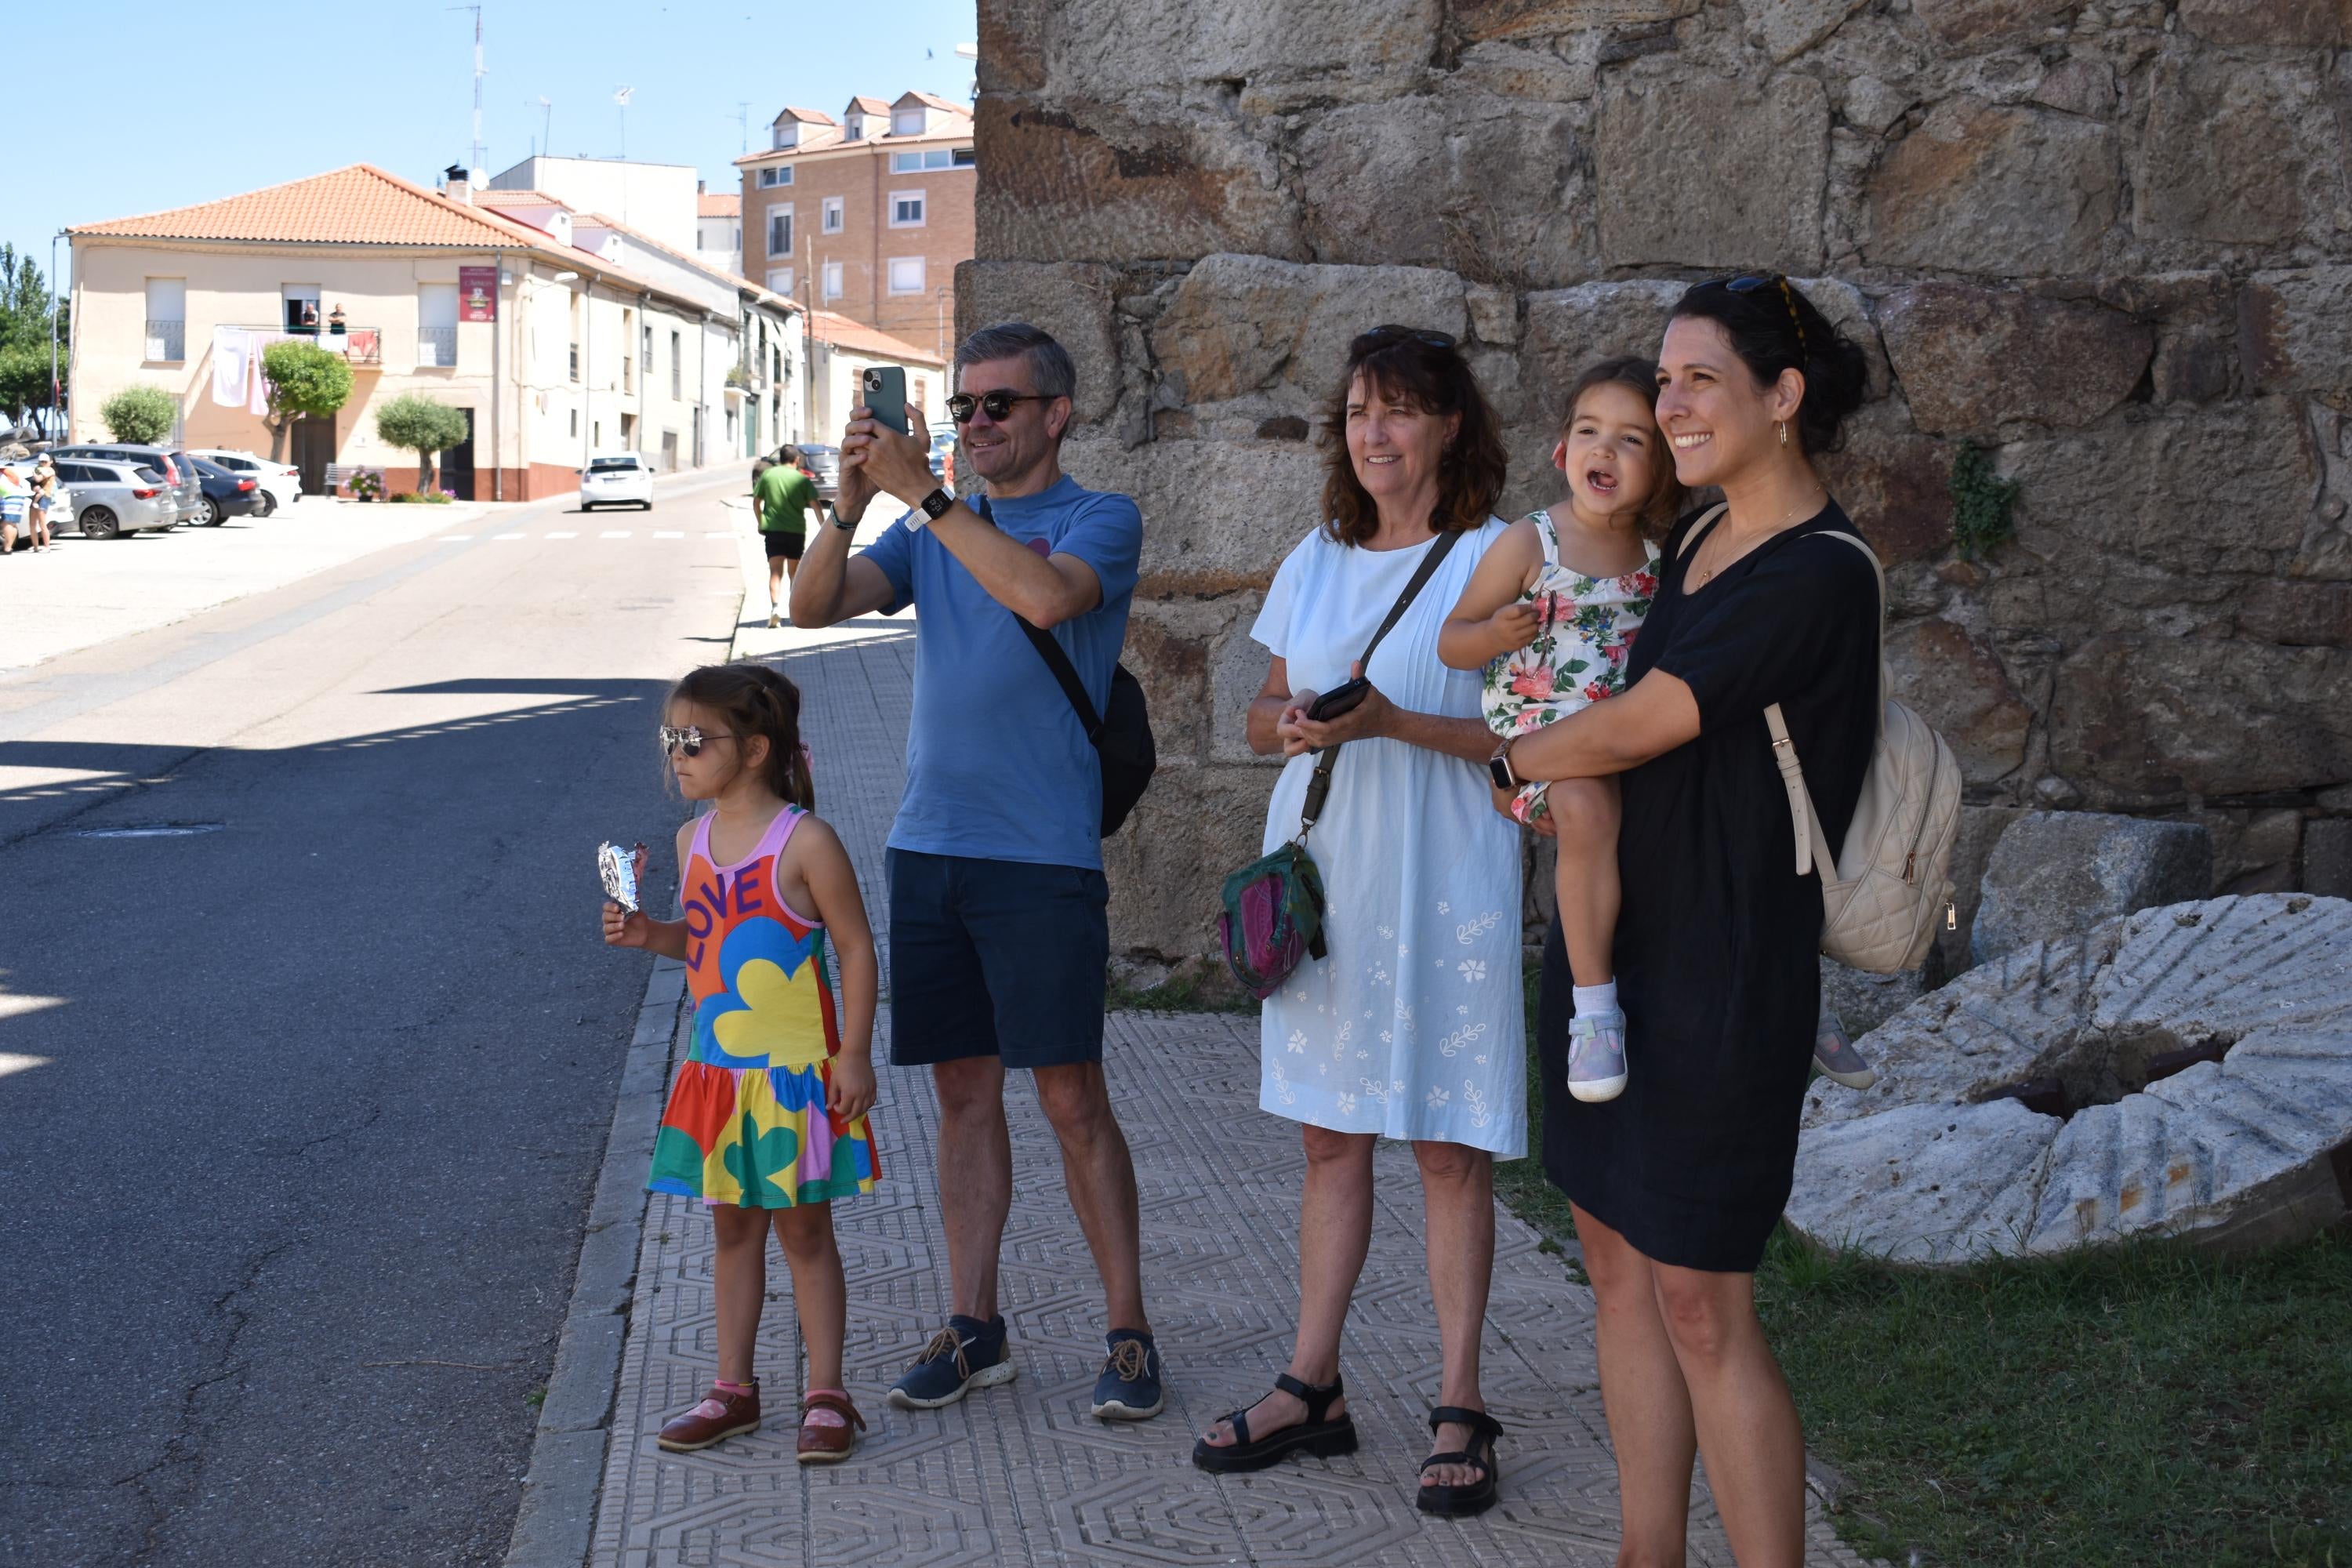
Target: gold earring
{"x":1784,"y":432}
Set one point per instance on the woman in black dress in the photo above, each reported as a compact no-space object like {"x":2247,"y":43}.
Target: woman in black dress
{"x":1677,"y":1182}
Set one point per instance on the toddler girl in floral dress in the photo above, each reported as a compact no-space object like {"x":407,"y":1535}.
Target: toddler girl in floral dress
{"x":1550,"y":614}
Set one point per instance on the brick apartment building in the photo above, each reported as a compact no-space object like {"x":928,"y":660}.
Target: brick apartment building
{"x":865,"y":217}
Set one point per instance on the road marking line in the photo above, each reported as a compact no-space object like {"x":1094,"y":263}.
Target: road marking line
{"x":614,"y":533}
{"x":506,"y":536}
{"x":562,"y":534}
{"x":668,"y":533}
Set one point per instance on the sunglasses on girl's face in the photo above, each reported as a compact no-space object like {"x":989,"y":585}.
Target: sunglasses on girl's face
{"x":996,"y":405}
{"x":689,"y":740}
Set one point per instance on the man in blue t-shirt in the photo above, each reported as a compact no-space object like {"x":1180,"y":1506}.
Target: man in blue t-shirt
{"x":999,"y":936}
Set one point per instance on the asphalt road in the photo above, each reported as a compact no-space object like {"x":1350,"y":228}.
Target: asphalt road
{"x":301,"y":1110}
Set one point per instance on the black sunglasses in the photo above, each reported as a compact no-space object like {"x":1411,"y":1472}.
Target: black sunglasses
{"x":1749,"y":282}
{"x":997,"y":404}
{"x":689,"y":740}
{"x":1382,"y":337}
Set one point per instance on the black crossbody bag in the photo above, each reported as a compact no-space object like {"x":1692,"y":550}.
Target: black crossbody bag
{"x":1120,"y":734}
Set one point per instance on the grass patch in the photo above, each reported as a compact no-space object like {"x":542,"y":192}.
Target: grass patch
{"x":1188,"y":990}
{"x":2146,"y":1405}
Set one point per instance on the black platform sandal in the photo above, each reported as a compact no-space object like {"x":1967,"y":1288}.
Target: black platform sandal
{"x":1461,"y":1502}
{"x":1316,"y":1435}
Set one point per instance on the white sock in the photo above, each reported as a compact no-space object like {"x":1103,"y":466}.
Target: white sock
{"x":1591,"y":999}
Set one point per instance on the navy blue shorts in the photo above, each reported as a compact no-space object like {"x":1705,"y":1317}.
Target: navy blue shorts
{"x":996,"y":958}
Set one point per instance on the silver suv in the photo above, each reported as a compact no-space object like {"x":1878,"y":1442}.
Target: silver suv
{"x":187,"y":491}
{"x":111,"y":500}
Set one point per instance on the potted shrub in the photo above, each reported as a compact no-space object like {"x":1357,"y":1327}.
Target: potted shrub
{"x":366,"y":485}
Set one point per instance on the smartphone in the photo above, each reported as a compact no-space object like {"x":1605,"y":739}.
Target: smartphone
{"x":883,"y":389}
{"x":1344,"y":698}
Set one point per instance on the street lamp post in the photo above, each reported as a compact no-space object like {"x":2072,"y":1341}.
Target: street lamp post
{"x":56,"y":396}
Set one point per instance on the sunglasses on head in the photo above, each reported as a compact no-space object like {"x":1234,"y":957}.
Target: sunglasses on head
{"x":1749,"y":282}
{"x":996,"y":405}
{"x":1382,"y":337}
{"x":689,"y":740}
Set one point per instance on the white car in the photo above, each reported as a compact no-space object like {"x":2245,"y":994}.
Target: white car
{"x":280,"y":483}
{"x":609,"y":482}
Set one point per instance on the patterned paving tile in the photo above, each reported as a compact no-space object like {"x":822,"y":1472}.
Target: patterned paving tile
{"x":1022,"y":1475}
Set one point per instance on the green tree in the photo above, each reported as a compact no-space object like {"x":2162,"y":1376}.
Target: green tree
{"x":25,"y":304}
{"x":24,"y":381}
{"x":140,"y":415}
{"x":421,"y":426}
{"x":305,"y":380}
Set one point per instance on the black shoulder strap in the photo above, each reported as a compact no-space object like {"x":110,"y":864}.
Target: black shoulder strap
{"x":1050,"y":651}
{"x":1319,"y":787}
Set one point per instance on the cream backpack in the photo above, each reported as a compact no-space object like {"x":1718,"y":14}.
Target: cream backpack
{"x":1882,"y":893}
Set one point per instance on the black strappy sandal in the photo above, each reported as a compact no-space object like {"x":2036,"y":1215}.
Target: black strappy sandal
{"x":1461,"y":1502}
{"x":1316,"y":1435}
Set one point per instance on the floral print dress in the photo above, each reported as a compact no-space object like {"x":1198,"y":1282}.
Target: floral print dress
{"x":1585,"y":628}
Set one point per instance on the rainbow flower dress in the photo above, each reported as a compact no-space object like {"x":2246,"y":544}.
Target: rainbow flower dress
{"x":747,"y":1122}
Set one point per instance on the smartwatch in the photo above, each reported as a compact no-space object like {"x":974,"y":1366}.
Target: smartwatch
{"x":1498,"y":766}
{"x":935,"y":505}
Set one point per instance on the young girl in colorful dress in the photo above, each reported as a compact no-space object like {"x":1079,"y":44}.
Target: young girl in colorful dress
{"x":766,"y":1122}
{"x":1550,"y":614}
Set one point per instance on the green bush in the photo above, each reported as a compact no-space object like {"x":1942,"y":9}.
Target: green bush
{"x":430,"y":498}
{"x":305,"y":381}
{"x":421,"y":426}
{"x":142,"y":416}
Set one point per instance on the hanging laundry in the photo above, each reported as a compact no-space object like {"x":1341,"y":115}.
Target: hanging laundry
{"x":232,"y":350}
{"x":256,"y":343}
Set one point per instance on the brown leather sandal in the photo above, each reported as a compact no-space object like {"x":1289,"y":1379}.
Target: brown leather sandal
{"x":822,"y":1443}
{"x":720,"y":1415}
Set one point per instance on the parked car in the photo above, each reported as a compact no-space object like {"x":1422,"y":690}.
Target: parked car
{"x":226,"y":495}
{"x":280,"y":483}
{"x":825,"y":463}
{"x":113,"y":498}
{"x":172,"y":462}
{"x":610,"y":481}
{"x":943,"y":456}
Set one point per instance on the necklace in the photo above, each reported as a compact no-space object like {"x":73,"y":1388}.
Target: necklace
{"x":1803,"y":507}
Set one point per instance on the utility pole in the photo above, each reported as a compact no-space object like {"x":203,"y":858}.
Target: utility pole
{"x":474,"y":168}
{"x":56,"y":308}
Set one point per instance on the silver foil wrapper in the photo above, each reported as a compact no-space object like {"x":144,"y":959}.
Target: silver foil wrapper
{"x":618,"y":867}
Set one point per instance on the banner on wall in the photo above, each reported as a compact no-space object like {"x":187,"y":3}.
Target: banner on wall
{"x":478,"y":293}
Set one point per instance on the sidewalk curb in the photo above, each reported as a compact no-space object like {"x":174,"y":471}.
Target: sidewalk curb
{"x":557,"y":1517}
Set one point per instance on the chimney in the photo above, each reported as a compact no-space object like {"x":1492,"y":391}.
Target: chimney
{"x":701,"y":186}
{"x":456,"y":184}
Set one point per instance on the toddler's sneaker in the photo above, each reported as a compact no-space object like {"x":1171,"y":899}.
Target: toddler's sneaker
{"x":965,"y":1355}
{"x":725,"y":1413}
{"x":1835,"y":1055}
{"x":1596,"y":1056}
{"x":1129,"y":1388}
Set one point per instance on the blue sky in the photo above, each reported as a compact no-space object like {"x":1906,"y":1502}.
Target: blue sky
{"x":258,"y":92}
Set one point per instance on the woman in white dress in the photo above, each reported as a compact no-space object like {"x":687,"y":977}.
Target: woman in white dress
{"x":1411,"y":1027}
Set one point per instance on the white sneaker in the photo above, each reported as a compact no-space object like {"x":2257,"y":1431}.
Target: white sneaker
{"x":1596,"y":1056}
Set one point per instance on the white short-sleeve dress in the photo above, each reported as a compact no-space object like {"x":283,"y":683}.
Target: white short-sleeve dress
{"x":1411,"y":1027}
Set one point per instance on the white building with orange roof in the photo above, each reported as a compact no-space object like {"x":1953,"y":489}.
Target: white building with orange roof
{"x":483,"y":302}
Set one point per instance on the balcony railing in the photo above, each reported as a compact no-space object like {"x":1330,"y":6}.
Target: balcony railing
{"x":436,"y":348}
{"x":360,"y":345}
{"x":167,"y":341}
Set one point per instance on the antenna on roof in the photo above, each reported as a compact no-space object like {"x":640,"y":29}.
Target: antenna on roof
{"x":743,"y":124}
{"x":474,"y":168}
{"x":546,"y":107}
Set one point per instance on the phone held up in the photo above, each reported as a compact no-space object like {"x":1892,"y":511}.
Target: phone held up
{"x":883,"y":389}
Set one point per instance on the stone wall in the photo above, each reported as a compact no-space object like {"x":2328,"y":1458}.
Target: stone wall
{"x":2109,"y":241}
